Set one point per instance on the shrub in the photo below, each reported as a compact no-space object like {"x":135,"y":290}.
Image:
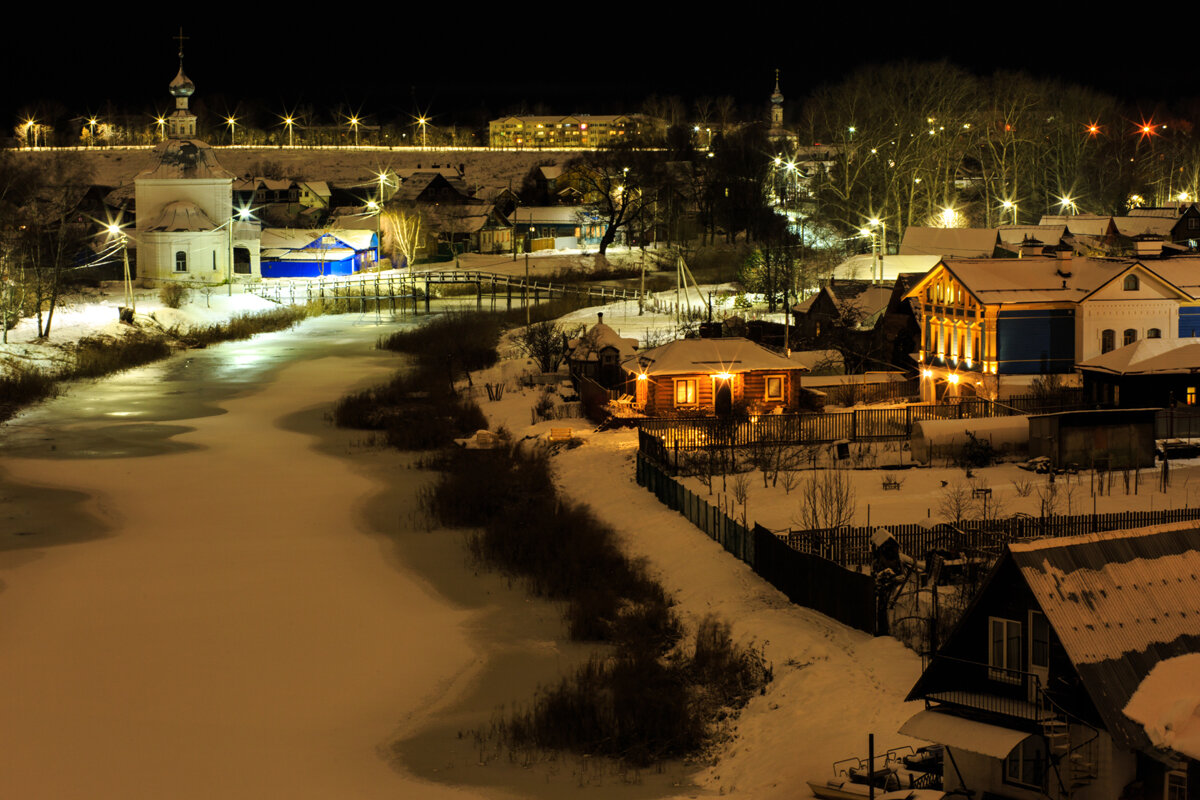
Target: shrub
{"x":94,"y":356}
{"x":173,"y":295}
{"x":22,"y":385}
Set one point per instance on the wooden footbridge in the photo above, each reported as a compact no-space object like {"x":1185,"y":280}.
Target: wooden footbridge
{"x":402,"y":290}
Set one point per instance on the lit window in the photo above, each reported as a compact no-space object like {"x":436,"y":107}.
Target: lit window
{"x":685,"y":392}
{"x":1131,"y":283}
{"x":1191,"y":395}
{"x":1130,"y":336}
{"x":774,"y":387}
{"x":180,"y":261}
{"x":1004,"y":650}
{"x":1108,"y":340}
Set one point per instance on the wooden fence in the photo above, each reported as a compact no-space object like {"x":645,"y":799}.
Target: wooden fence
{"x":809,"y":580}
{"x":851,"y":546}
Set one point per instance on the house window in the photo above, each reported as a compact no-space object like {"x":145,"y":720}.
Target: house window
{"x":1175,"y":785}
{"x":1108,"y":340}
{"x":775,"y":387}
{"x":1026,"y":764}
{"x":1191,"y":395}
{"x":1004,"y":650}
{"x":1131,"y":283}
{"x":1193,"y":223}
{"x":1130,"y":336}
{"x":685,"y":392}
{"x":1154,"y":333}
{"x":1039,"y":640}
{"x":180,"y":261}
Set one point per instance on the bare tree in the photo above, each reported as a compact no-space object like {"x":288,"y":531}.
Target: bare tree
{"x":544,"y":342}
{"x":403,"y":227}
{"x":955,"y":503}
{"x":614,"y":183}
{"x":827,"y":501}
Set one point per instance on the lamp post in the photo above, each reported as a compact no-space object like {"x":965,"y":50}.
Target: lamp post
{"x":243,"y":215}
{"x":377,"y":208}
{"x":123,"y":238}
{"x":92,"y":131}
{"x":289,"y":122}
{"x":423,"y":122}
{"x":354,"y":124}
{"x":879,"y":222}
{"x":161,"y":122}
{"x":1009,"y":204}
{"x":232,"y":123}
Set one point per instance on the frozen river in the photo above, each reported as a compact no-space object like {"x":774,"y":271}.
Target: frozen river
{"x":195,"y":597}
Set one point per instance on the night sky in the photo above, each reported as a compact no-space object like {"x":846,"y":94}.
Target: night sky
{"x":464,"y":68}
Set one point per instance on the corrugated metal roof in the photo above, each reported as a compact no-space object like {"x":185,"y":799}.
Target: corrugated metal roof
{"x":1120,"y":602}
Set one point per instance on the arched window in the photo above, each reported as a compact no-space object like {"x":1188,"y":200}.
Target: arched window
{"x":1130,"y":336}
{"x":180,"y":261}
{"x":1154,"y":333}
{"x":1131,"y":283}
{"x":1108,"y":340}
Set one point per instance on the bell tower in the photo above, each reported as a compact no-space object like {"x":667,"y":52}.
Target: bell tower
{"x":182,"y":122}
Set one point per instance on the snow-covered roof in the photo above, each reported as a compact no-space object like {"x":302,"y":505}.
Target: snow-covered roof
{"x":1019,"y":234}
{"x":992,"y":741}
{"x":949,"y":242}
{"x":547,"y":215}
{"x":1119,"y":602}
{"x":707,"y":356}
{"x":1167,"y":704}
{"x":1144,"y":226}
{"x":1148,"y":357}
{"x":1086,"y":224}
{"x":859,"y":267}
{"x":182,"y":215}
{"x":295,"y":239}
{"x":598,"y":337}
{"x":1034,"y":279}
{"x":185,"y":159}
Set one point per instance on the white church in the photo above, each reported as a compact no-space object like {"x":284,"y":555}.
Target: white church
{"x":187,"y":228}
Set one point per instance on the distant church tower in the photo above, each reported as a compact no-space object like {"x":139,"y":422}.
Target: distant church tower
{"x":776,"y":100}
{"x":186,"y":230}
{"x":777,"y":133}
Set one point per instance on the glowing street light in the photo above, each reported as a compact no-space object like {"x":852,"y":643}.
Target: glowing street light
{"x":1067,"y":203}
{"x":422,"y":122}
{"x":948,"y":215}
{"x":1009,"y":204}
{"x":231,"y":121}
{"x":876,"y":222}
{"x":353,"y":122}
{"x":31,"y":126}
{"x":161,"y":122}
{"x":289,"y":122}
{"x":92,"y":128}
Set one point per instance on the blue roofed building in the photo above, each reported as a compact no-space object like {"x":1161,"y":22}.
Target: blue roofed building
{"x":289,"y":253}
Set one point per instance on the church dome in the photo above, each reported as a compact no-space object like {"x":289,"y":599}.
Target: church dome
{"x":182,"y":215}
{"x":182,"y":86}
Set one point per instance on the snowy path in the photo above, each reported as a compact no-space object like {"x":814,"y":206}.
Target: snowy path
{"x":833,"y":685}
{"x":236,"y":634}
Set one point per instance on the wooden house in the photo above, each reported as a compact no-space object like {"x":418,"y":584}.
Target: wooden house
{"x":712,"y":376}
{"x":1155,"y":373}
{"x":598,"y":353}
{"x":1030,"y":692}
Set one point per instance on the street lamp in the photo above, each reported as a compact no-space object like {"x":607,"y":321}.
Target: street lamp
{"x":243,"y":215}
{"x":92,"y":135}
{"x":232,"y":123}
{"x":354,"y":124}
{"x":289,"y":122}
{"x":31,"y":127}
{"x":1009,"y":204}
{"x":161,"y":122}
{"x":876,"y":222}
{"x":1067,"y":203}
{"x":423,"y":122}
{"x":115,"y":230}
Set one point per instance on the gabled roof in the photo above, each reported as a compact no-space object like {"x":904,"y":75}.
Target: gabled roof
{"x":548,"y":215}
{"x":294,"y":239}
{"x":1144,"y":226}
{"x":1029,"y":280}
{"x":950,"y":242}
{"x":598,"y":337}
{"x":707,"y":356}
{"x":1020,"y":234}
{"x":1148,"y":357}
{"x":1120,"y":602}
{"x":859,"y":267}
{"x":1080,"y":224}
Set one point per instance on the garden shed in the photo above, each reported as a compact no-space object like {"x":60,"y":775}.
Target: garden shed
{"x":1105,"y":439}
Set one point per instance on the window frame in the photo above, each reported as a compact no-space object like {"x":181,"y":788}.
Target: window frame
{"x":780,"y":395}
{"x":1129,"y":336}
{"x":181,"y":261}
{"x":1177,"y":777}
{"x":686,"y":383}
{"x":1030,"y":761}
{"x":1005,"y":663}
{"x":1108,"y":340}
{"x":1131,"y":284}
